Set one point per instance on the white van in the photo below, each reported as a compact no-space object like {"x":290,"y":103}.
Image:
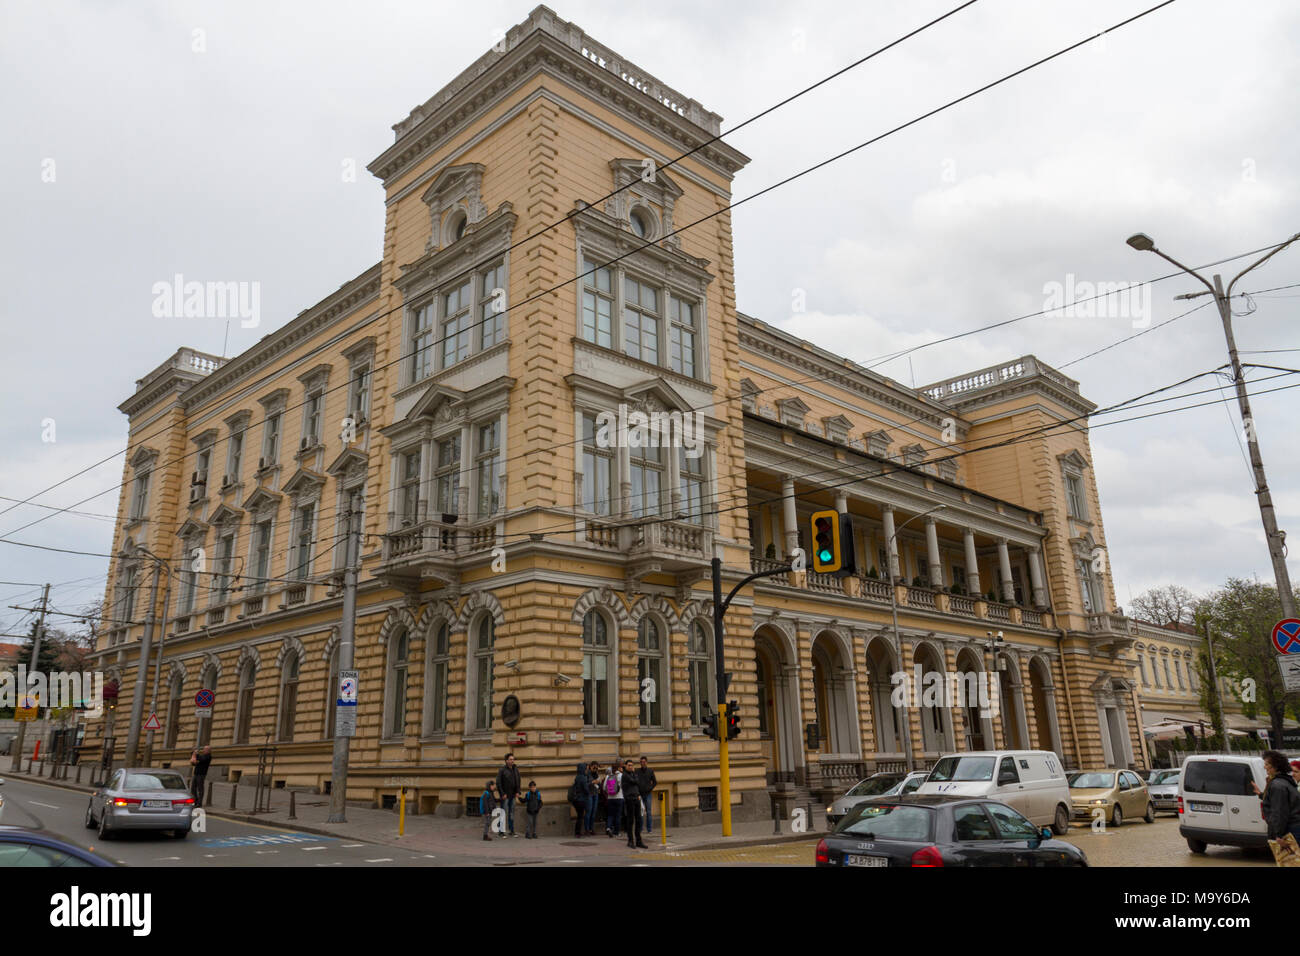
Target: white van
{"x":1031,"y":781}
{"x":1216,"y":804}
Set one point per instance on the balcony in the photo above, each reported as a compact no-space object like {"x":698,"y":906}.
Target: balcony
{"x":1110,"y":632}
{"x":432,"y":550}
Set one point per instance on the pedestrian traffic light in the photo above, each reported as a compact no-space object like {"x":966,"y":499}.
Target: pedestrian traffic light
{"x":733,"y":720}
{"x":833,"y":551}
{"x":711,"y":725}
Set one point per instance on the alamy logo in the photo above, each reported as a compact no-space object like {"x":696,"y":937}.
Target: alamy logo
{"x":83,"y":690}
{"x":179,"y":299}
{"x":74,"y":908}
{"x":1099,"y":300}
{"x":658,"y":429}
{"x":945,"y":689}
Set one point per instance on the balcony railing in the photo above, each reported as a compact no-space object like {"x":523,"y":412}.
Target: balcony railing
{"x":921,"y":597}
{"x":425,"y":538}
{"x":216,"y":616}
{"x":998,"y":612}
{"x":825,"y":582}
{"x":295,"y":594}
{"x":1031,"y":618}
{"x":960,"y":604}
{"x":254,"y":606}
{"x":182,"y":625}
{"x":876,"y":590}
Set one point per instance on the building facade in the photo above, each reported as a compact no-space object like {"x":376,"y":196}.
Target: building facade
{"x":454,"y":402}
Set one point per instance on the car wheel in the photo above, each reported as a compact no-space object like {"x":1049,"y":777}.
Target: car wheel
{"x":1151,"y":813}
{"x":104,"y":832}
{"x":1061,"y":825}
{"x":1117,"y":817}
{"x":180,"y":834}
{"x":1196,"y":846}
{"x":90,"y":815}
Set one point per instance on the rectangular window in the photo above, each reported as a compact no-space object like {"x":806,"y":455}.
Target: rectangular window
{"x":1074,"y":496}
{"x":448,"y":476}
{"x":189,"y":580}
{"x":202,"y":465}
{"x":681,"y":336}
{"x":597,"y":471}
{"x":455,"y":325}
{"x":409,"y":493}
{"x":302,"y":562}
{"x":311,"y":419}
{"x":641,"y":321}
{"x":126,"y":598}
{"x":261,"y":554}
{"x":692,"y":474}
{"x":236,"y":455}
{"x":489,"y":468}
{"x":271,"y":440}
{"x":492,"y":304}
{"x":647,"y":474}
{"x":422,"y":343}
{"x":595,"y":688}
{"x":359,"y":393}
{"x":225,"y":564}
{"x":140,"y":500}
{"x":598,"y":304}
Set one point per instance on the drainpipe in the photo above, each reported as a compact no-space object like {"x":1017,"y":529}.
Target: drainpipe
{"x":1060,"y":650}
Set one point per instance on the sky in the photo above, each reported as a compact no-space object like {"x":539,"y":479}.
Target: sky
{"x":143,"y":140}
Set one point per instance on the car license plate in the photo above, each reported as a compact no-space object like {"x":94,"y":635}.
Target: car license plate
{"x":157,"y":804}
{"x":1207,"y":807}
{"x":852,"y":859}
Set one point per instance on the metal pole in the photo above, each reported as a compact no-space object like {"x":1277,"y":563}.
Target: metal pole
{"x":17,"y":764}
{"x":1214,"y":682}
{"x":1266,"y":512}
{"x":898,"y":637}
{"x":157,"y":673}
{"x":339,"y":772}
{"x":724,"y":763}
{"x":141,"y":674}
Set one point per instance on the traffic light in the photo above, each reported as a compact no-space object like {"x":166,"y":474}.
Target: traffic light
{"x":833,"y":551}
{"x":711,"y":725}
{"x":733,"y":719}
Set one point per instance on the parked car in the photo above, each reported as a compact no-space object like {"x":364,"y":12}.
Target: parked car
{"x":1164,"y":790}
{"x":2,"y":801}
{"x":1216,"y":804}
{"x":20,"y":846}
{"x":883,"y":784}
{"x":1116,"y":793}
{"x":941,"y":830}
{"x":141,"y":799}
{"x":1031,"y":781}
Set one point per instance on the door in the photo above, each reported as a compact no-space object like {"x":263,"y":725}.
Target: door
{"x":1010,"y":788}
{"x":1136,"y":796}
{"x":1217,"y":796}
{"x":977,"y":840}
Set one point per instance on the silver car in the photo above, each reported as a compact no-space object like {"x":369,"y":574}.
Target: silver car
{"x":883,"y":784}
{"x":1163,"y":790}
{"x":141,"y":799}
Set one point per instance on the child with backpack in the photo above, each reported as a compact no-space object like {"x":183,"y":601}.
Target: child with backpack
{"x":532,"y":801}
{"x":613,"y":789}
{"x":487,"y":802}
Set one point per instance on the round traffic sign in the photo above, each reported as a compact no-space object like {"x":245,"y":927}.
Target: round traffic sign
{"x":1286,"y":636}
{"x":204,"y":698}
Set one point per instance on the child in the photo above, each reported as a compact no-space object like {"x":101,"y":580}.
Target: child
{"x":613,"y":787}
{"x":532,"y":801}
{"x":487,"y":802}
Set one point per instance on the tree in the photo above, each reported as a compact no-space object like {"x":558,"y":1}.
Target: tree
{"x":1211,"y":703}
{"x":1167,"y":604}
{"x":1241,"y":616}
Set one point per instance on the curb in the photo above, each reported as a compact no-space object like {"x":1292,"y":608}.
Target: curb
{"x":726,"y":843}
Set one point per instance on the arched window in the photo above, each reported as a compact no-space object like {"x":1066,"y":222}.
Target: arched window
{"x":650,"y":665}
{"x":595,"y":671}
{"x":484,"y":639}
{"x":174,"y":711}
{"x":332,"y":694}
{"x":244,"y":706}
{"x":699,"y":664}
{"x":435,"y":681}
{"x":288,"y":696}
{"x":399,"y":658}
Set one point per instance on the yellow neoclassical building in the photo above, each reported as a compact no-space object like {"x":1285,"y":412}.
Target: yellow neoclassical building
{"x":542,"y":269}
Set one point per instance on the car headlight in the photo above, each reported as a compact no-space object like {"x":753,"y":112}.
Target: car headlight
{"x":1099,"y":803}
{"x":830,"y":809}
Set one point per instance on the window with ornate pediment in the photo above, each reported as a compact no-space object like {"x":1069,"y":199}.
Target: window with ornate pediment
{"x":142,"y":463}
{"x":261,"y":507}
{"x":749,"y":393}
{"x":792,"y":411}
{"x":304,"y":490}
{"x":455,"y":201}
{"x":237,"y":425}
{"x":203,"y":444}
{"x":314,"y":385}
{"x":643,"y":199}
{"x":878,"y":443}
{"x":913,"y":455}
{"x":837,"y":428}
{"x":1073,"y":466}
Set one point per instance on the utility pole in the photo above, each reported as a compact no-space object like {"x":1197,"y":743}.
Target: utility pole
{"x":347,"y":645}
{"x":141,"y":672}
{"x":1223,"y":299}
{"x":1214,"y":683}
{"x":157,"y":671}
{"x":17,"y":764}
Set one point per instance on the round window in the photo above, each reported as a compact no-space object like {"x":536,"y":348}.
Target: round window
{"x":458,"y":227}
{"x":640,"y":223}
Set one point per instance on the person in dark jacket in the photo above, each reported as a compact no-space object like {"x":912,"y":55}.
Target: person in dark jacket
{"x":632,"y":806}
{"x":612,"y":785}
{"x":645,"y":780}
{"x":1281,"y":797}
{"x":487,"y":802}
{"x":200,"y":760}
{"x":508,"y":787}
{"x":578,"y":795}
{"x":593,"y":797}
{"x":532,"y":801}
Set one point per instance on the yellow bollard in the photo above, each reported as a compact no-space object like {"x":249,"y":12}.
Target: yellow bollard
{"x":663,"y":817}
{"x":401,"y":811}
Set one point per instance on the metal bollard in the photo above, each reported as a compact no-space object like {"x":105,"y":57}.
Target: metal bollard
{"x":208,"y":801}
{"x":293,"y":805}
{"x":776,"y":815}
{"x":234,"y":789}
{"x":78,"y":773}
{"x":812,"y":822}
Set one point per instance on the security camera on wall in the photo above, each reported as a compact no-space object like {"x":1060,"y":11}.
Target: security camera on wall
{"x":561,"y":679}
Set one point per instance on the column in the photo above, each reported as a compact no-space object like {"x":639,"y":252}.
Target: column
{"x":1004,"y":566}
{"x":972,"y":564}
{"x":774,"y":529}
{"x":932,"y":553}
{"x":624,"y":479}
{"x":1036,"y":577}
{"x":1049,"y":698}
{"x":674,"y":476}
{"x":891,"y":543}
{"x":790,"y":516}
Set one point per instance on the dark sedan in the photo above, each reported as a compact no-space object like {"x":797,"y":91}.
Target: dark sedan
{"x":20,"y":846}
{"x":942,"y":830}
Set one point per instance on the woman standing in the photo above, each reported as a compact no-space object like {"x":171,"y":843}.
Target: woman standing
{"x":1281,"y":797}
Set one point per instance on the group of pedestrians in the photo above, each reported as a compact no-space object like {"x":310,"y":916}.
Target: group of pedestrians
{"x":624,"y":790}
{"x":504,"y":792}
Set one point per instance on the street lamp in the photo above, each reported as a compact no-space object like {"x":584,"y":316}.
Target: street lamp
{"x":898,"y":640}
{"x":1276,"y":539}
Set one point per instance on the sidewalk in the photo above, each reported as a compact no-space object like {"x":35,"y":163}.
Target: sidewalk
{"x":463,"y":835}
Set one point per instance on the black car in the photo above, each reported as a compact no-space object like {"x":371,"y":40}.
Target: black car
{"x":20,"y":846}
{"x":941,"y":830}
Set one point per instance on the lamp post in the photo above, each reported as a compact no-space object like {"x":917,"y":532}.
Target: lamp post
{"x":1276,"y":539}
{"x":898,"y":640}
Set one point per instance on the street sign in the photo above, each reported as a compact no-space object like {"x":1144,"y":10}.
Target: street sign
{"x":551,"y":737}
{"x":26,"y":709}
{"x":202,"y":713}
{"x":204,"y":698}
{"x":345,"y":722}
{"x":1290,"y":667}
{"x":1286,"y":636}
{"x":517,"y":738}
{"x":408,"y":782}
{"x":348,"y":688}
{"x":152,"y":723}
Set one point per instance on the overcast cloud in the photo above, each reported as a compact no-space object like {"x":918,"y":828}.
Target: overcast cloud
{"x":226,"y":164}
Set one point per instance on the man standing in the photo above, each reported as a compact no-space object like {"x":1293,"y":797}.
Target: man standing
{"x":508,"y":791}
{"x":200,"y":760}
{"x":632,"y":806}
{"x":645,"y":780}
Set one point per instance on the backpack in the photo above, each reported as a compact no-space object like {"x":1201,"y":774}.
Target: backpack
{"x":611,"y":786}
{"x":574,"y":795}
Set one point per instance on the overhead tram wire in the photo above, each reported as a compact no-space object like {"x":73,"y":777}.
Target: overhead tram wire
{"x":472,"y":269}
{"x":725,"y":208}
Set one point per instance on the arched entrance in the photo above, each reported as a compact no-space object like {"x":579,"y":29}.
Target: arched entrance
{"x":886,"y":719}
{"x":972,"y":692}
{"x":1043,"y":696}
{"x":1015,"y":733}
{"x":778,"y":703}
{"x":833,"y":697}
{"x":936,"y":721}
